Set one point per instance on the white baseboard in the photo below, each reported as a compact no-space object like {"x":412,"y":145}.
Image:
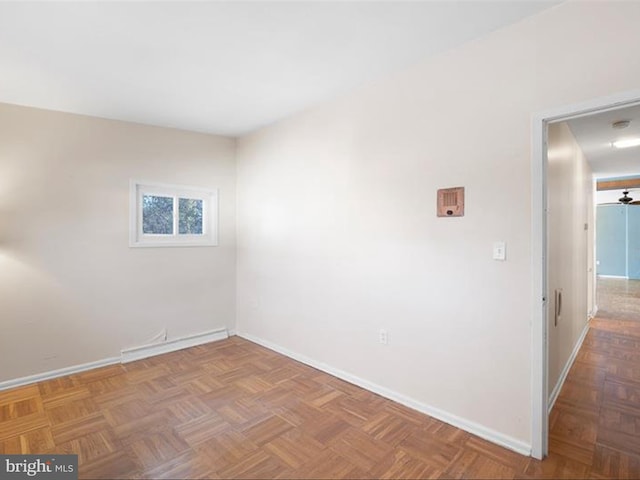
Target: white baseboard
{"x":565,"y":371}
{"x":128,"y":355}
{"x":61,"y":372}
{"x":472,"y":427}
{"x":145,"y":351}
{"x":613,"y":276}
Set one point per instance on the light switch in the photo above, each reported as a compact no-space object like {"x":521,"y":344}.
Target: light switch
{"x":500,"y":251}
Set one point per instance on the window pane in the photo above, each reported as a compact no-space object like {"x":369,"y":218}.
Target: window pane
{"x":157,"y":215}
{"x":190,"y":216}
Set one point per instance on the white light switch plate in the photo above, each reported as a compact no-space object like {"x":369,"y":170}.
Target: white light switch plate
{"x":499,"y":251}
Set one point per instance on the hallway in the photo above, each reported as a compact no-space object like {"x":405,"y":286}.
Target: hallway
{"x":595,"y":423}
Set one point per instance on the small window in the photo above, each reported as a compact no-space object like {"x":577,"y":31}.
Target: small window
{"x":172,"y":216}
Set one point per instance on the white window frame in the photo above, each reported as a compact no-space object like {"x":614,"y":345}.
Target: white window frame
{"x":209,"y":197}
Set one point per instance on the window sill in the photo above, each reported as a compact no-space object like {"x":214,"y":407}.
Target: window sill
{"x":172,"y":244}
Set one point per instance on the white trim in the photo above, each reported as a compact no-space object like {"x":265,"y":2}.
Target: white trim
{"x":61,"y":372}
{"x":472,"y":427}
{"x":539,"y":356}
{"x":126,"y":356}
{"x":589,"y":107}
{"x":145,"y":351}
{"x":624,"y":277}
{"x":565,"y":371}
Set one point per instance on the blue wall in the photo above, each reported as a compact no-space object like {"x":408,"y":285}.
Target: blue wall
{"x":633,"y":241}
{"x":618,"y":240}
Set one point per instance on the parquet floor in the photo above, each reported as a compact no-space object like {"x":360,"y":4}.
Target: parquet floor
{"x":596,"y":419}
{"x":233,"y":409}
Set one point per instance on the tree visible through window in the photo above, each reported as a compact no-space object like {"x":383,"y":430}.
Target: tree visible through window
{"x":172,"y":215}
{"x":190,"y":216}
{"x":157,"y":215}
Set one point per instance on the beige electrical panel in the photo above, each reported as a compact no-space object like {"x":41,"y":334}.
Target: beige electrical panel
{"x":451,"y":202}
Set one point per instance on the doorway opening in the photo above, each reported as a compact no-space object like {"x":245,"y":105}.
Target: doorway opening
{"x":563,"y":244}
{"x":618,"y":232}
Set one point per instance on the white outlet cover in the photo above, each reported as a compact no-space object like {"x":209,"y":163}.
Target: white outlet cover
{"x":499,"y":251}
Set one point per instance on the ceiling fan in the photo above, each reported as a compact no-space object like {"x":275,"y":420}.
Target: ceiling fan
{"x":624,"y":200}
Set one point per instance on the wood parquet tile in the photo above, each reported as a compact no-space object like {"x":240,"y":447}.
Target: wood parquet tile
{"x":233,"y":409}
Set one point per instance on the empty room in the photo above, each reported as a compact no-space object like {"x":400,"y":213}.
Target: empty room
{"x":308,"y":239}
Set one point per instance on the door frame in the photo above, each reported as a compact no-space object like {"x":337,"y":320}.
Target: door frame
{"x":539,"y":252}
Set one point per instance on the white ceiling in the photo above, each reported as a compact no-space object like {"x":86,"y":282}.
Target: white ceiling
{"x":595,"y":134}
{"x":222,"y":67}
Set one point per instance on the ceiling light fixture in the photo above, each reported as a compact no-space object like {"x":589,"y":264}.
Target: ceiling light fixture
{"x":620,"y":124}
{"x":630,"y":142}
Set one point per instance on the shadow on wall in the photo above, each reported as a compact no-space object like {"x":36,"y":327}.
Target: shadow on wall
{"x":28,"y":296}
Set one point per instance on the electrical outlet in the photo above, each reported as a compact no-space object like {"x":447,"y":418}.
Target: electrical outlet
{"x":383,"y":336}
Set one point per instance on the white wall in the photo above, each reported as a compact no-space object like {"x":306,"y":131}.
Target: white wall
{"x":337,"y":232}
{"x":71,"y":289}
{"x":570,"y":246}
